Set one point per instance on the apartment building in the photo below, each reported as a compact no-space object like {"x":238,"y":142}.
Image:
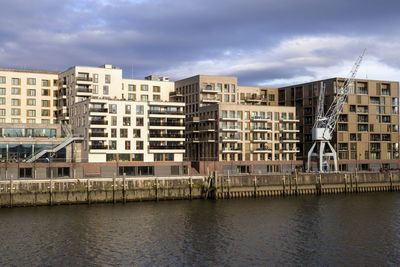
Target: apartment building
{"x":236,"y":128}
{"x":28,"y":96}
{"x":367,"y":133}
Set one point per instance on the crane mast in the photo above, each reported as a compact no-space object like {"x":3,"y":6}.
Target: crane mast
{"x":325,"y":122}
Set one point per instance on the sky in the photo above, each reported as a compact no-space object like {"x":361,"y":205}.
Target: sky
{"x":262,"y":42}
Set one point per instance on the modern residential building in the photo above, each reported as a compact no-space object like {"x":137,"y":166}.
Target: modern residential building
{"x":28,"y":96}
{"x":231,"y":128}
{"x":367,"y":134}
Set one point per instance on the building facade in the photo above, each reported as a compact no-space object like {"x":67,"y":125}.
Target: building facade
{"x":367,"y":133}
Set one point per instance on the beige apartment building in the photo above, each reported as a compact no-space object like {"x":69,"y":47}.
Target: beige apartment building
{"x":367,"y":133}
{"x":28,"y":96}
{"x":236,"y":129}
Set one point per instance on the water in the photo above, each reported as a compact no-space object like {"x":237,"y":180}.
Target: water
{"x":330,"y":230}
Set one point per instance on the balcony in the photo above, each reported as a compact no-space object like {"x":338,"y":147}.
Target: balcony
{"x":102,"y":110}
{"x":289,"y":119}
{"x":231,"y":150}
{"x":160,"y":123}
{"x":260,"y":140}
{"x":290,"y":140}
{"x":210,"y":100}
{"x":253,"y":99}
{"x":98,"y":147}
{"x":175,"y":94}
{"x":161,"y":148}
{"x":162,"y":135}
{"x":290,"y":130}
{"x":209,"y":90}
{"x":230,"y":129}
{"x":98,"y":134}
{"x":83,"y":79}
{"x":259,"y":118}
{"x":229,"y":139}
{"x":261,"y":129}
{"x":207,"y":118}
{"x":166,"y":112}
{"x":262,"y":150}
{"x":291,"y":151}
{"x":98,"y":122}
{"x":83,"y":90}
{"x":230,"y":118}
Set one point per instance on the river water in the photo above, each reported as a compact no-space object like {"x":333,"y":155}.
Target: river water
{"x":329,"y":230}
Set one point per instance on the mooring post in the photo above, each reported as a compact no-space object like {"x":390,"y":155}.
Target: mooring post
{"x":356,"y":180}
{"x":229,"y":186}
{"x":51,"y":187}
{"x":283,"y":185}
{"x":391,"y":181}
{"x":318,"y":185}
{"x":190,"y":187}
{"x":296,"y":184}
{"x":88,"y":190}
{"x":11,"y":190}
{"x":156,"y":188}
{"x":345,"y":183}
{"x":215,"y":185}
{"x":113,"y":186}
{"x":255,"y":186}
{"x":124,"y":187}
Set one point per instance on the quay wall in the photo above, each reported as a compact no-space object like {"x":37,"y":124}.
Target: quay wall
{"x":125,"y":189}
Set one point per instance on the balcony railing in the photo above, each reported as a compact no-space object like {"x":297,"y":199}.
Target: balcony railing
{"x":166,"y":147}
{"x":167,"y":135}
{"x":83,"y":90}
{"x":98,"y":135}
{"x":209,"y":90}
{"x":84,"y":78}
{"x":98,"y":147}
{"x":98,"y":122}
{"x":166,"y":112}
{"x":98,"y":110}
{"x":166,"y":123}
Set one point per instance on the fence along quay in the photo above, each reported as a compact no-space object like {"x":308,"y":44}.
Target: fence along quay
{"x":124,"y":189}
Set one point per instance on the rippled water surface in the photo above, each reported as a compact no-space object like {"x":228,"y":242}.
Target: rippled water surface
{"x":328,"y":230}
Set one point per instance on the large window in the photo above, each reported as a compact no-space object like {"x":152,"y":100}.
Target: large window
{"x":144,"y":87}
{"x":15,"y":91}
{"x":139,"y":109}
{"x":131,"y":87}
{"x":45,"y":92}
{"x":123,"y":133}
{"x":2,"y":91}
{"x":2,"y":79}
{"x":45,"y":83}
{"x":105,"y":90}
{"x":108,"y":78}
{"x":31,"y":113}
{"x":16,"y":81}
{"x":2,"y":100}
{"x":31,"y":92}
{"x":156,"y":89}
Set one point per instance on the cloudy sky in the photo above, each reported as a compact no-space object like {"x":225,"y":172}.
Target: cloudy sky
{"x":263,"y":42}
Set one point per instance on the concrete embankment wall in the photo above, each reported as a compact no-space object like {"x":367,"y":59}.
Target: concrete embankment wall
{"x":104,"y":190}
{"x":112,"y":190}
{"x":304,"y":184}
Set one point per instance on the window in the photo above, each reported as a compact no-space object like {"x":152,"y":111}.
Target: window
{"x":271,"y":97}
{"x":114,"y":121}
{"x":113,"y":144}
{"x":226,"y":98}
{"x":31,"y":102}
{"x":95,"y":89}
{"x":15,"y":111}
{"x":144,"y":87}
{"x":15,"y":91}
{"x":132,"y":97}
{"x":2,"y":112}
{"x":127,"y":145}
{"x":139,"y":121}
{"x":126,"y":121}
{"x":2,"y":100}
{"x":362,"y":91}
{"x":31,"y":81}
{"x":131,"y":87}
{"x":25,"y":172}
{"x":45,"y":92}
{"x":45,"y":103}
{"x":156,"y":89}
{"x":14,"y":120}
{"x":233,"y":98}
{"x":158,"y":157}
{"x":45,"y":83}
{"x":139,"y":145}
{"x":105,"y":90}
{"x":2,"y":79}
{"x":144,"y":97}
{"x":15,"y":102}
{"x":156,"y":98}
{"x":226,"y":88}
{"x":31,"y":113}
{"x":386,"y":119}
{"x":16,"y":81}
{"x":233,"y":88}
{"x":31,"y":92}
{"x":31,"y":121}
{"x":136,"y":133}
{"x":95,"y":78}
{"x":127,"y":109}
{"x":123,"y":133}
{"x":45,"y":112}
{"x":2,"y":91}
{"x":112,"y":108}
{"x":113,"y":133}
{"x":108,"y":78}
{"x":352,"y":108}
{"x":139,"y":109}
{"x":137,"y":157}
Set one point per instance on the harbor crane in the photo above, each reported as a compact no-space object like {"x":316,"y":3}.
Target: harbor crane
{"x":325,"y":122}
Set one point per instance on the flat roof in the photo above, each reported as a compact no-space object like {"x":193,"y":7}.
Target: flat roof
{"x":30,"y":71}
